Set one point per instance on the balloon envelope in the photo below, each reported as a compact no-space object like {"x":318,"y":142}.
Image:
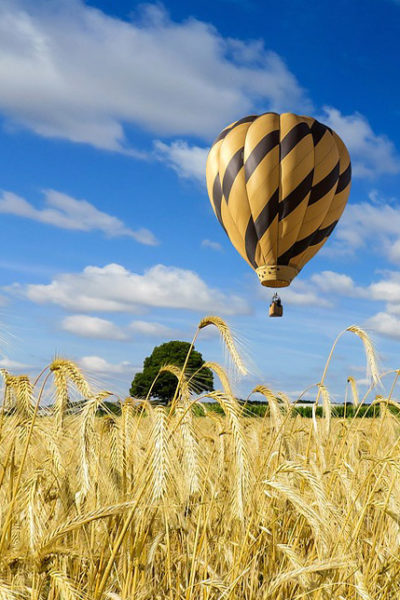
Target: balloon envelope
{"x":278,"y":185}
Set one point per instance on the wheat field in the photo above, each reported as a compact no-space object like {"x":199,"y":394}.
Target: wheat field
{"x":159,"y":503}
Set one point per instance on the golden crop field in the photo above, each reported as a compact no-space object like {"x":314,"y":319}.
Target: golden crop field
{"x":158,"y":503}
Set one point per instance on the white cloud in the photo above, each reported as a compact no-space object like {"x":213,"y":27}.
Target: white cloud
{"x":97,"y":364}
{"x":334,"y":283}
{"x":93,"y":327}
{"x":8,"y":363}
{"x":392,"y":307}
{"x":364,"y":381}
{"x":69,"y":70}
{"x":113,"y":288}
{"x":371,"y":154}
{"x":387,"y":290}
{"x":385,"y":324}
{"x":394,"y":251}
{"x":323,"y":289}
{"x":210,"y":244}
{"x":66,"y":212}
{"x":331,"y":285}
{"x":150,"y":329}
{"x":301,"y":293}
{"x":187,"y":161}
{"x":375,"y":224}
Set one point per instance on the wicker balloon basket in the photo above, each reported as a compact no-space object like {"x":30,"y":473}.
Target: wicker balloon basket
{"x":275,"y":310}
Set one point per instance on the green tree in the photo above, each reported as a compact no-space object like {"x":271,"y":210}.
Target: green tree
{"x":170,"y":353}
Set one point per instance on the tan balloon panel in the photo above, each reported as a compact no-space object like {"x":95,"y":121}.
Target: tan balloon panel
{"x":278,"y":185}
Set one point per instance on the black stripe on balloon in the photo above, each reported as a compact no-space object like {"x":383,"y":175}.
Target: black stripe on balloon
{"x":292,"y":138}
{"x":231,"y":171}
{"x":225,"y":132}
{"x":344,"y":180}
{"x":221,"y":136}
{"x":324,"y":186}
{"x":217,"y":199}
{"x":296,"y":197}
{"x":267,"y":215}
{"x":317,"y":131}
{"x":311,"y":240}
{"x":250,"y":242}
{"x":268,"y":142}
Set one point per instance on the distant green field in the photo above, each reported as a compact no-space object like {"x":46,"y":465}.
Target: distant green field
{"x":261,"y":409}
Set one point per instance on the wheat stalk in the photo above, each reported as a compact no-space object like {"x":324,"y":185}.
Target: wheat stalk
{"x":361,"y":586}
{"x":274,"y":407}
{"x":242,"y":475}
{"x":297,"y":562}
{"x":354,"y":390}
{"x":185,"y":421}
{"x":318,"y":567}
{"x":73,"y":373}
{"x":369,"y":352}
{"x":226,"y":335}
{"x":24,"y":396}
{"x":7,"y":592}
{"x":62,"y":397}
{"x":114,"y":434}
{"x":86,"y":439}
{"x":327,"y":408}
{"x":183,"y":514}
{"x":65,"y":587}
{"x":160,"y":462}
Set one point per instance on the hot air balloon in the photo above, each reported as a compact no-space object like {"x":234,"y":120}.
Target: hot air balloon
{"x":278,"y":185}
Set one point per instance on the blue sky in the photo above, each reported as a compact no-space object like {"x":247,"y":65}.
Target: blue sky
{"x":109,"y":244}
